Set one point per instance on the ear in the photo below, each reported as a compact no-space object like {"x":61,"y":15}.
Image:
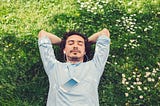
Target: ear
{"x":64,"y":52}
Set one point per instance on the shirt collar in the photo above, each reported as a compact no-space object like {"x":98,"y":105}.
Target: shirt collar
{"x":75,"y":64}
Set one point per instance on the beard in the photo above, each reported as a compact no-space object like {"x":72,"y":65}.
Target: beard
{"x":74,"y":58}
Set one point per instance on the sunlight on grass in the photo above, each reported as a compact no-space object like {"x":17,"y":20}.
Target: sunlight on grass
{"x":138,"y":5}
{"x":22,"y":17}
{"x":132,"y":72}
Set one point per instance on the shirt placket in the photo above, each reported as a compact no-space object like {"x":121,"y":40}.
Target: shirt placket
{"x":71,"y":70}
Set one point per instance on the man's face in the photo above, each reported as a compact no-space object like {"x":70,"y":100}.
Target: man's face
{"x":75,"y":47}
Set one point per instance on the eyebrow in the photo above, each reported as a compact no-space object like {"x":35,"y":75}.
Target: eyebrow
{"x":76,"y":41}
{"x":70,"y":41}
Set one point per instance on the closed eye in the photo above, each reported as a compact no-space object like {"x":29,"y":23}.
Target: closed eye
{"x":80,"y":43}
{"x":70,"y":42}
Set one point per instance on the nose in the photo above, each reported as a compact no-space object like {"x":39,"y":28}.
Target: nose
{"x":75,"y":47}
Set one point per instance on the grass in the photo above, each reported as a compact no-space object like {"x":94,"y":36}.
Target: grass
{"x":25,"y":17}
{"x":23,"y":80}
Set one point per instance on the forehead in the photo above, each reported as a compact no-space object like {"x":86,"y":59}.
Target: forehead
{"x":75,"y":38}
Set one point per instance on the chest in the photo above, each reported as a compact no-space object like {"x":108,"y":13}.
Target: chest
{"x":82,"y":72}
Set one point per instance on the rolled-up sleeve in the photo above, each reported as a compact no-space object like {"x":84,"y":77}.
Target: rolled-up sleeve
{"x":101,"y":52}
{"x":47,"y":53}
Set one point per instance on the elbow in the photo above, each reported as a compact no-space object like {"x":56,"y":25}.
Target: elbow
{"x":106,"y":32}
{"x":41,"y":34}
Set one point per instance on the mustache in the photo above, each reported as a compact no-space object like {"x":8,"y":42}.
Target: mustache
{"x":75,"y":51}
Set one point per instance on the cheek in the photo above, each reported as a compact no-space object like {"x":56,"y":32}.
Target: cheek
{"x":68,"y":49}
{"x":82,"y":49}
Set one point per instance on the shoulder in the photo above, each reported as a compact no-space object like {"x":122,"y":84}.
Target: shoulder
{"x":104,"y":39}
{"x":43,"y":40}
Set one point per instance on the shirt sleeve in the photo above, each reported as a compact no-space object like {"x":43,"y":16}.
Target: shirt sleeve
{"x":101,"y":52}
{"x":47,"y":53}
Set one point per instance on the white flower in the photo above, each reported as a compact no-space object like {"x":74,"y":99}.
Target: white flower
{"x":157,"y":69}
{"x":134,"y":76}
{"x":139,"y":83}
{"x":149,"y":79}
{"x":139,"y":75}
{"x":138,"y":36}
{"x":132,"y":86}
{"x":108,"y":62}
{"x":127,"y":104}
{"x":78,"y":1}
{"x":134,"y":14}
{"x":123,"y":18}
{"x":150,"y":27}
{"x":130,"y":3}
{"x":132,"y":40}
{"x":126,"y":94}
{"x":137,"y":79}
{"x":154,"y":70}
{"x":129,"y":78}
{"x":141,"y":97}
{"x":145,"y":88}
{"x":152,"y":79}
{"x":139,"y":88}
{"x":132,"y":32}
{"x":153,"y":74}
{"x":147,"y":68}
{"x":156,"y":84}
{"x":147,"y":74}
{"x":113,"y":56}
{"x":128,"y":88}
{"x":125,"y":45}
{"x":145,"y":29}
{"x":127,"y":58}
{"x":100,"y":6}
{"x":127,"y":83}
{"x":82,"y":6}
{"x":129,"y":10}
{"x":118,"y":20}
{"x":123,"y":75}
{"x":134,"y":83}
{"x":134,"y":72}
{"x":123,"y":80}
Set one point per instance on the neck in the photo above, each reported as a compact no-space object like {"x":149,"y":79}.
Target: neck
{"x":74,"y":60}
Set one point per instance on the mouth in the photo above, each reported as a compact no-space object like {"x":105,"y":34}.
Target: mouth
{"x":75,"y":51}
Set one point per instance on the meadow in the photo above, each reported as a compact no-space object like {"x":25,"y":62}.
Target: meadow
{"x":132,"y":72}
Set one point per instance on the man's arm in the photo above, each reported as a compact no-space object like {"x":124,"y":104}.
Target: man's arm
{"x":54,"y":39}
{"x":45,"y":41}
{"x":93,"y":38}
{"x":102,"y":41}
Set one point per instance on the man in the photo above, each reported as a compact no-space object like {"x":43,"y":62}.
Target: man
{"x":75,"y":82}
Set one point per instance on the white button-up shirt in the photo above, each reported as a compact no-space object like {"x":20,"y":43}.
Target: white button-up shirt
{"x":87,"y":73}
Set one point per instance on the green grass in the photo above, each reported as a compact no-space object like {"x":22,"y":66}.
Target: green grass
{"x":20,"y":18}
{"x":23,"y":81}
{"x":25,"y":17}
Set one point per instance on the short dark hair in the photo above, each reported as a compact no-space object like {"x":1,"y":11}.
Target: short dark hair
{"x":87,"y":44}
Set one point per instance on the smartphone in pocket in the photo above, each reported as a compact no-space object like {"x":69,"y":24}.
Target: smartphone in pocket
{"x":69,"y":84}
